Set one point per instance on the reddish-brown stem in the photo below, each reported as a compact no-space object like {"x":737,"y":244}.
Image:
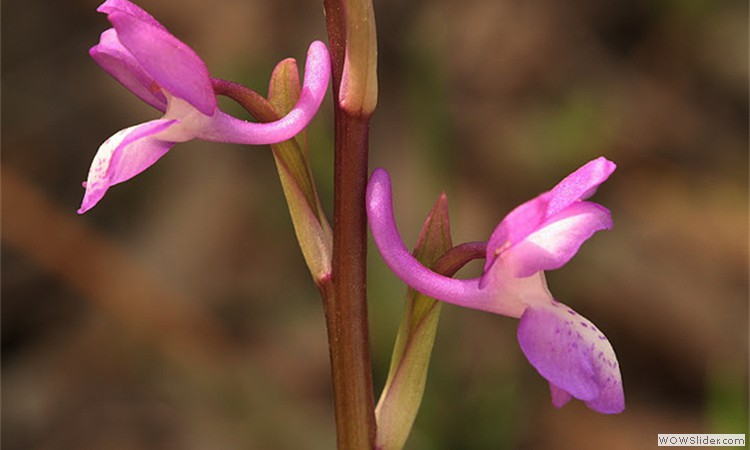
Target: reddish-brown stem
{"x":254,"y":103}
{"x":454,"y":259}
{"x":346,"y":298}
{"x":346,"y":308}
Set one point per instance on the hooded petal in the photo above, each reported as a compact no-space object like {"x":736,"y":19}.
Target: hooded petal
{"x":123,"y":156}
{"x":528,"y":218}
{"x":573,"y":355}
{"x":117,"y":61}
{"x":110,"y":6}
{"x":556,"y":241}
{"x":173,"y":65}
{"x":518,"y":224}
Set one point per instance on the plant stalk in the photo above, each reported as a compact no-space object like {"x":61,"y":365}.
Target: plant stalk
{"x":345,"y":298}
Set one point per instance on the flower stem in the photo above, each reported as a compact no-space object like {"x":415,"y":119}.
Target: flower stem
{"x":346,"y":308}
{"x":456,"y":257}
{"x":345,"y":298}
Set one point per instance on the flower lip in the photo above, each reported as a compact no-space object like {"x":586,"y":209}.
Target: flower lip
{"x":123,"y":156}
{"x":573,"y":355}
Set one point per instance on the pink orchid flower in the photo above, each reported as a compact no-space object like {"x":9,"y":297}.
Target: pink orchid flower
{"x":542,"y":234}
{"x":168,"y":75}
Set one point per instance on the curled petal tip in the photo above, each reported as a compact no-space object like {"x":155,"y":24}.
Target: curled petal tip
{"x":225,"y":128}
{"x":607,"y":166}
{"x":379,"y":206}
{"x":319,"y":49}
{"x":317,"y":73}
{"x":380,"y":178}
{"x":380,"y":202}
{"x":580,"y":184}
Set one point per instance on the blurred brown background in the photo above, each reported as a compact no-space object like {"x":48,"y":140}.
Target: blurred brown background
{"x":178,"y":313}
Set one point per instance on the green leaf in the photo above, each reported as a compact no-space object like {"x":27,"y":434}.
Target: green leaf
{"x":404,"y":388}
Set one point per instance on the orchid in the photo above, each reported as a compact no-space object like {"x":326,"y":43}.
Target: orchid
{"x":164,"y":72}
{"x":543,"y":234}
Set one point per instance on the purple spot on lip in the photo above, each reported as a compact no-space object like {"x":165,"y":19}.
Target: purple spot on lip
{"x":571,"y":312}
{"x":583,"y":324}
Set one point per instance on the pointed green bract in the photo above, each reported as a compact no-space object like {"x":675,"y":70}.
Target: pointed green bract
{"x":404,"y":388}
{"x":310,"y":224}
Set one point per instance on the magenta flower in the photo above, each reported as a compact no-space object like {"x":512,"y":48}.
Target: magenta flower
{"x":542,"y":234}
{"x":168,"y":75}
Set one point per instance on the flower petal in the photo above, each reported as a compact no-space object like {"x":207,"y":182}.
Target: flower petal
{"x":174,"y":66}
{"x":580,"y":184}
{"x":556,"y":241}
{"x":518,"y":224}
{"x":110,"y":6}
{"x":530,"y":216}
{"x":573,"y":355}
{"x":379,"y":205}
{"x":117,"y":61}
{"x":226,"y":128}
{"x":559,"y":396}
{"x":123,"y":156}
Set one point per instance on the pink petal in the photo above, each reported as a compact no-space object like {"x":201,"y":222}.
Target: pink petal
{"x":580,"y":184}
{"x":174,"y":66}
{"x":559,"y":397}
{"x":110,"y":6}
{"x":527,"y":218}
{"x":556,"y":241}
{"x":573,"y":355}
{"x":518,"y":224}
{"x":465,"y":293}
{"x":117,"y":61}
{"x":123,"y":156}
{"x":226,"y":128}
